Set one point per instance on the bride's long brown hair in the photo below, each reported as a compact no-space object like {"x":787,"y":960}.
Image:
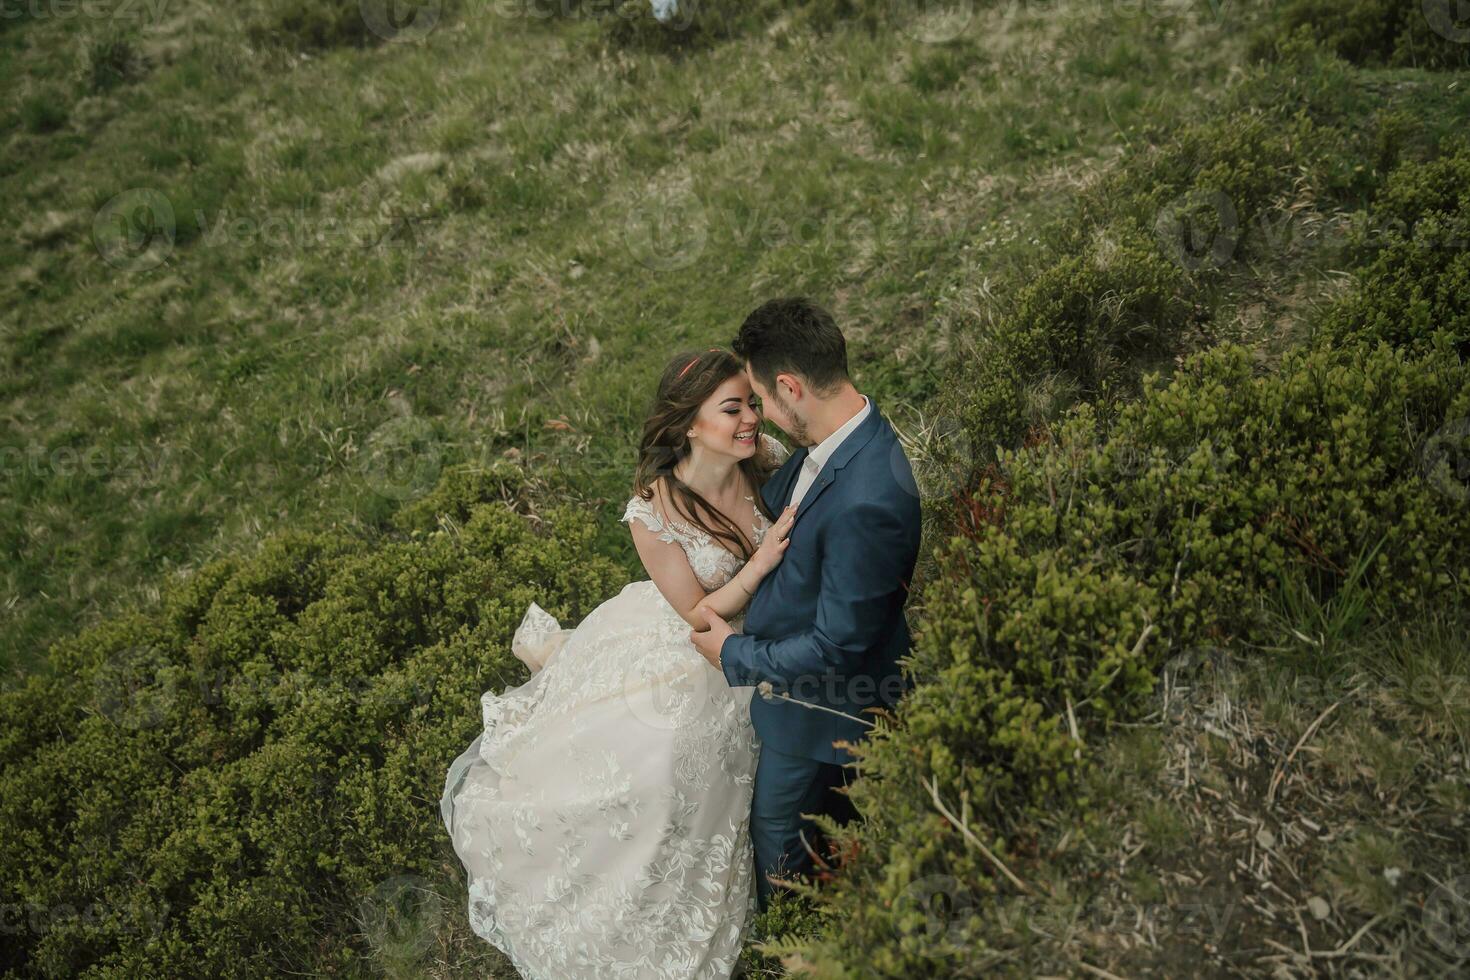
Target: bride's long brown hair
{"x":687,"y":382}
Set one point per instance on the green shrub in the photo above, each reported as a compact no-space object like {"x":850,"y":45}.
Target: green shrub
{"x":460,"y":490}
{"x":1139,"y":264}
{"x":1251,"y":157}
{"x":787,"y":916}
{"x":1229,"y":477}
{"x":1088,"y":319}
{"x":1097,"y":543}
{"x":1417,"y":236}
{"x":1373,"y":33}
{"x":943,"y":69}
{"x":213,"y":789}
{"x":1182,"y":513}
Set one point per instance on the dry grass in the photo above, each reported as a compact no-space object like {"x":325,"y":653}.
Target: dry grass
{"x":1266,"y":823}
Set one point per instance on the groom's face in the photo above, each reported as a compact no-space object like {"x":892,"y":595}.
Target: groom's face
{"x":786,"y":413}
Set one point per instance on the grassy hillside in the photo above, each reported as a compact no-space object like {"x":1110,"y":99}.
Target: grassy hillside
{"x":499,"y":231}
{"x":326,"y":340}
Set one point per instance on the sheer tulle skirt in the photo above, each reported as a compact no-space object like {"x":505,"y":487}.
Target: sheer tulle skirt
{"x":602,"y":814}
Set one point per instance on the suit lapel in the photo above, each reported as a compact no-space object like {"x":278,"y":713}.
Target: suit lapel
{"x":849,"y":448}
{"x":777,"y":491}
{"x":822,"y":482}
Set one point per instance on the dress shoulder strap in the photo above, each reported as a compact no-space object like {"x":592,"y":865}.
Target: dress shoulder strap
{"x":674,"y":530}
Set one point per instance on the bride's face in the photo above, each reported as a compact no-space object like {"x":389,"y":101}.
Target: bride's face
{"x":729,"y":420}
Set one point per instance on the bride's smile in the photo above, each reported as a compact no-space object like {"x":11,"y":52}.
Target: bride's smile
{"x":728,"y":423}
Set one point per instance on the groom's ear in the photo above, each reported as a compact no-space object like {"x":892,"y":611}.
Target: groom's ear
{"x":791,"y":383}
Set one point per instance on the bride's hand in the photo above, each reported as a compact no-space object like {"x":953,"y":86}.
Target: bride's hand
{"x":773,"y":545}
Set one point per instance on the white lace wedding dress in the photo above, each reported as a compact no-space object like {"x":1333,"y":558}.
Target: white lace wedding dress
{"x":602,"y":813}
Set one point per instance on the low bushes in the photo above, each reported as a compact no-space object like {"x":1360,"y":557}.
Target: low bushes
{"x":1076,"y":329}
{"x":1416,"y":237}
{"x":1177,"y":230}
{"x":1375,"y":33}
{"x":1094,"y":555}
{"x":1251,"y":157}
{"x":214,"y":789}
{"x":109,"y":60}
{"x":1140,"y":261}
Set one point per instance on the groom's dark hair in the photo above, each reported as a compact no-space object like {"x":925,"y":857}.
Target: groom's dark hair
{"x":793,"y":335}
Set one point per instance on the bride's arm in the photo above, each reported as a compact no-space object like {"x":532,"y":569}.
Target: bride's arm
{"x":668,"y":566}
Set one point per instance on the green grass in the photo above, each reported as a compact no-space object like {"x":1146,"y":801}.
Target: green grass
{"x":488,"y":230}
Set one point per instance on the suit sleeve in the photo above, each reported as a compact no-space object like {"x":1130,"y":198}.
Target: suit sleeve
{"x":862,"y":587}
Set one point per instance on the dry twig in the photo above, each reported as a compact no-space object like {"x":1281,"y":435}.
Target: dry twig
{"x":1281,"y":767}
{"x":970,"y":837}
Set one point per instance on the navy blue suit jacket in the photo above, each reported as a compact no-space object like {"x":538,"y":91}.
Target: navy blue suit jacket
{"x":827,"y":626}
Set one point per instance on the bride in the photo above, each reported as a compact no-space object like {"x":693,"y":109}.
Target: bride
{"x":602,"y":813}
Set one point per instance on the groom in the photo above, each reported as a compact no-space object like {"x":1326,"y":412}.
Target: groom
{"x":827,"y":626}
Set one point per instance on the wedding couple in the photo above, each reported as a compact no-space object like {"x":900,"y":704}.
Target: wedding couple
{"x":617,"y":808}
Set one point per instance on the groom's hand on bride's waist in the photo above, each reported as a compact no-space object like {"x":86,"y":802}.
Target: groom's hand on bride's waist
{"x":709,"y":641}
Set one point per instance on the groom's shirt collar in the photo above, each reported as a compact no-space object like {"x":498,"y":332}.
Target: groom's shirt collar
{"x":818,"y":455}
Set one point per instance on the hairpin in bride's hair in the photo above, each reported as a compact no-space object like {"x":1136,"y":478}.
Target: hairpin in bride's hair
{"x":696,"y":360}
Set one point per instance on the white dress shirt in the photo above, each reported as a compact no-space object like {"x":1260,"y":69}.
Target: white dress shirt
{"x":818,"y":455}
